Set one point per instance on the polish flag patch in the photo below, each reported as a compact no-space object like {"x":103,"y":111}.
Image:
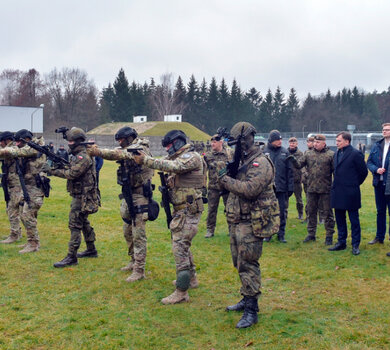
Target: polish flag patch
{"x":80,"y":157}
{"x":255,"y":164}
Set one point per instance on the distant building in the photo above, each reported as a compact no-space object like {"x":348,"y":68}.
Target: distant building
{"x":140,"y":119}
{"x":172,"y":118}
{"x":15,"y":118}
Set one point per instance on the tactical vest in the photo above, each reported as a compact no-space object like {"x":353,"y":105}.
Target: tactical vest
{"x":136,"y":174}
{"x":31,"y":167}
{"x":86,"y":182}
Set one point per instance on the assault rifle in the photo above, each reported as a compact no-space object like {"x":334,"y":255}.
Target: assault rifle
{"x":4,"y":183}
{"x":59,"y":161}
{"x":134,"y":150}
{"x":127,"y":193}
{"x":233,"y":165}
{"x":165,"y":197}
{"x":26,"y":196}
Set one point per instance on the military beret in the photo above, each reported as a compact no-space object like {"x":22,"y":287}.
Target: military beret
{"x":292,"y":139}
{"x":216,"y":137}
{"x":320,"y":137}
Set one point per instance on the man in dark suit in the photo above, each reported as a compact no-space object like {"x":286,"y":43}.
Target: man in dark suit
{"x":350,"y":172}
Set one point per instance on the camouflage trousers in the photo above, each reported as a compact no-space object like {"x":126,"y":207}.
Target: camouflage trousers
{"x":134,"y":232}
{"x":298,"y":197}
{"x":18,"y":209}
{"x":213,"y":203}
{"x":14,"y":209}
{"x":78,"y":222}
{"x":184,"y":227}
{"x":246,"y":249}
{"x":319,"y":202}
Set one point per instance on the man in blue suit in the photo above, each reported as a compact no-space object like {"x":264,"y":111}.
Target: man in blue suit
{"x":378,"y":164}
{"x":350,"y":171}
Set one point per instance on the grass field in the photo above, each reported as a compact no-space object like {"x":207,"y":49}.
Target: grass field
{"x":312,"y":298}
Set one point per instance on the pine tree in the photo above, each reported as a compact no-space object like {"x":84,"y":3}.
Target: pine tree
{"x":122,"y":108}
{"x":266,"y":113}
{"x":279,"y":119}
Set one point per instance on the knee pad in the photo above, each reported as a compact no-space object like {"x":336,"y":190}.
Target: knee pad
{"x":183,"y":280}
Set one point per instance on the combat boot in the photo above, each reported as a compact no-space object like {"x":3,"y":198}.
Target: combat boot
{"x":193,"y":282}
{"x":30,"y":248}
{"x":329,"y":240}
{"x":90,"y":252}
{"x":128,"y":267}
{"x":69,"y":260}
{"x":209,"y":234}
{"x":249,"y":317}
{"x":309,"y":238}
{"x":11,"y":239}
{"x":240,"y":306}
{"x":176,"y":297}
{"x":136,"y":276}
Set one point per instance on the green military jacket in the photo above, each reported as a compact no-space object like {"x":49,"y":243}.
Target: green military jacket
{"x":31,"y":162}
{"x":319,"y":167}
{"x":81,"y":179}
{"x":214,"y":161}
{"x":186,"y":179}
{"x":252,"y":197}
{"x":296,"y":171}
{"x":138,"y":174}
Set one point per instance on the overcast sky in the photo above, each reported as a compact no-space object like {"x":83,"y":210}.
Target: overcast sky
{"x":309,"y":45}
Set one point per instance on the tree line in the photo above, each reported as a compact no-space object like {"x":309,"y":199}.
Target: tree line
{"x":71,"y":98}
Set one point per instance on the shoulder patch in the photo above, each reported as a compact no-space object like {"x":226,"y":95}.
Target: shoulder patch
{"x":255,"y":164}
{"x":186,"y":156}
{"x":80,"y":157}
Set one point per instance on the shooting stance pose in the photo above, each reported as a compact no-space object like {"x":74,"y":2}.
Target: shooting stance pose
{"x":136,"y":195}
{"x":185,"y":180}
{"x":252,"y":211}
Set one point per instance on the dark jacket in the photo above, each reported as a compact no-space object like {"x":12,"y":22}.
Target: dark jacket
{"x":63,"y":153}
{"x":284,"y":176}
{"x":374,"y":162}
{"x":350,"y":171}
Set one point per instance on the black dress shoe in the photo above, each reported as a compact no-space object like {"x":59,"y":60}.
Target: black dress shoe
{"x":375,"y":241}
{"x":355,"y":251}
{"x":67,"y":261}
{"x":281,"y":239}
{"x":337,"y":246}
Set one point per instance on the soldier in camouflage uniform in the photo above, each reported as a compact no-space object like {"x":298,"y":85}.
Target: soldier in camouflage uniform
{"x":220,"y":154}
{"x":253,"y":211}
{"x":26,"y":204}
{"x":293,"y":149}
{"x":319,"y":165}
{"x":309,"y":143}
{"x":186,"y":180}
{"x":82,"y":187}
{"x":10,"y":182}
{"x":139,"y":177}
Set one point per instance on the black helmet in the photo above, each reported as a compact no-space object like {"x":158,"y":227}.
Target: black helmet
{"x":7,"y":135}
{"x":175,"y":137}
{"x":23,"y":134}
{"x":125,"y":132}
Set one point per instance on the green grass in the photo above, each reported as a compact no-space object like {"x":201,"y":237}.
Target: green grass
{"x":312,"y":298}
{"x":154,"y":129}
{"x":161,"y":128}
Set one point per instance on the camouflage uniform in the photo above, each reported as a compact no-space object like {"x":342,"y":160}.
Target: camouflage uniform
{"x":81,"y":185}
{"x":139,"y":176}
{"x":186,"y":180}
{"x":297,"y":183}
{"x":319,"y":166}
{"x":253,"y":211}
{"x":214,"y":190}
{"x":16,"y":197}
{"x":31,"y":165}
